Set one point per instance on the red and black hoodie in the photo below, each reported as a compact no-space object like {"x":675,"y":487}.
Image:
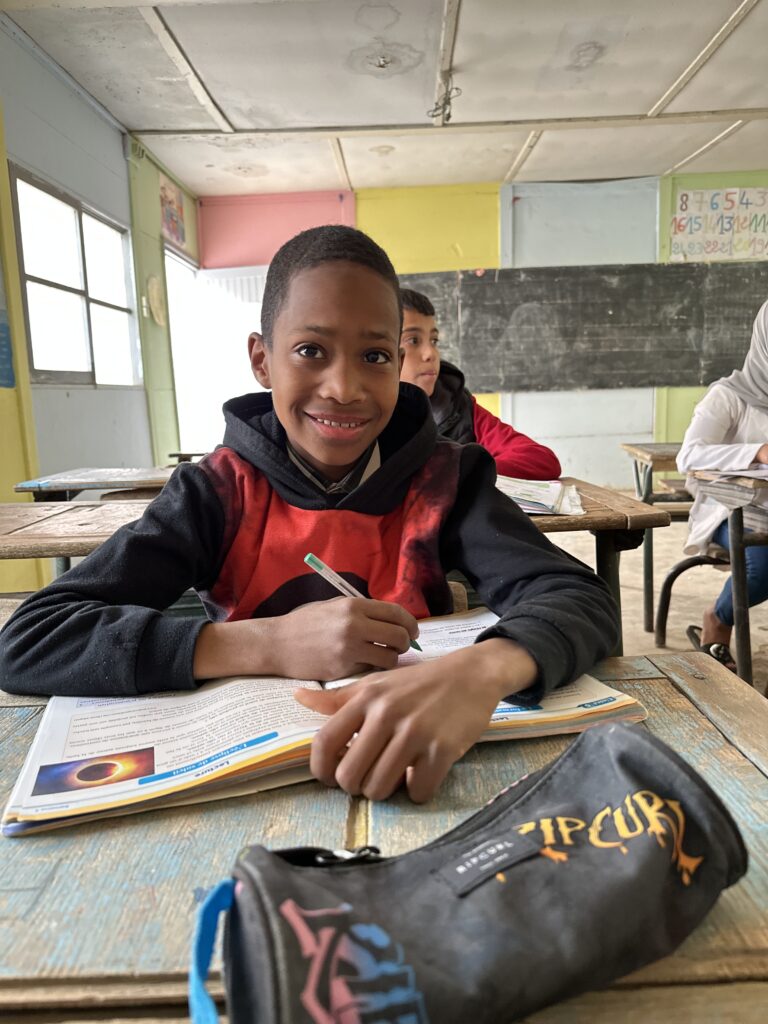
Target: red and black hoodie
{"x":236,"y":527}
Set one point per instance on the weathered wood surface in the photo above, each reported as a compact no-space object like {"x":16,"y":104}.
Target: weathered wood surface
{"x":604,"y":509}
{"x":94,"y":479}
{"x":740,"y":1003}
{"x":99,"y":916}
{"x":660,"y":456}
{"x":61,"y":528}
{"x":736,"y":707}
{"x":102,"y":914}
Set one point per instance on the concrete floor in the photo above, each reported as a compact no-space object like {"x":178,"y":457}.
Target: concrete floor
{"x":692,"y":592}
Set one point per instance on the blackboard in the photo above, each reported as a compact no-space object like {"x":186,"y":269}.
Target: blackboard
{"x":569,"y":328}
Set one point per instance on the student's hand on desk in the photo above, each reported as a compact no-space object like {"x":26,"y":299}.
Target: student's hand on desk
{"x":413,"y":722}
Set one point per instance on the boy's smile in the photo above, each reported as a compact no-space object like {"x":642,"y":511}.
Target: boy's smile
{"x":419,"y":341}
{"x":334,"y":363}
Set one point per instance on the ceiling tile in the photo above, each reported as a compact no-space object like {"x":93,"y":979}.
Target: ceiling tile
{"x":286,"y":65}
{"x":445,"y":158}
{"x":213,"y":165}
{"x":553,"y":59}
{"x":593,"y":153}
{"x":745,"y":150}
{"x":735,"y":75}
{"x":116,"y":57}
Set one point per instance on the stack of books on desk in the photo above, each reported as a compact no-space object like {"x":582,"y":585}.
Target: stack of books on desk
{"x":95,"y":757}
{"x":542,"y":497}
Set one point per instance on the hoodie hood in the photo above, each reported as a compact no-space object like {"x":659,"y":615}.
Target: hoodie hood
{"x":452,"y":405}
{"x":253,"y":430}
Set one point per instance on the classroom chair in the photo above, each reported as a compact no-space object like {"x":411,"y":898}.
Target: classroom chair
{"x":715,"y":556}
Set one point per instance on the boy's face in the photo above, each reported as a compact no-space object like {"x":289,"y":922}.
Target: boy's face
{"x":334,"y":364}
{"x":418,"y":342}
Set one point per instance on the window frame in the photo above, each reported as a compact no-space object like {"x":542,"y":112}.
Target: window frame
{"x":76,"y":377}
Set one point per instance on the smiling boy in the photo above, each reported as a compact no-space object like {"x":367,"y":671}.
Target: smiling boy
{"x":343,"y":461}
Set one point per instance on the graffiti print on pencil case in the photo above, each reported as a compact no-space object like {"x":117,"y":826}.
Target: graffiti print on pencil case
{"x":355,"y":972}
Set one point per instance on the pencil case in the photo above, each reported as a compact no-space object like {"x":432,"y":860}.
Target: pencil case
{"x":573,"y":876}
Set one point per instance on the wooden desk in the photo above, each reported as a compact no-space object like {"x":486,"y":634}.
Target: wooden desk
{"x":648,"y":459}
{"x":64,"y":486}
{"x":608,"y":515}
{"x":63,"y":530}
{"x":97,"y":919}
{"x":737,"y":494}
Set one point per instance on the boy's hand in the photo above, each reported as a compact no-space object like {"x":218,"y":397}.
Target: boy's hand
{"x":413,"y":722}
{"x":341,"y":637}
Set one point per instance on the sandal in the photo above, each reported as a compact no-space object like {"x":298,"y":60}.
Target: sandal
{"x":720,"y":652}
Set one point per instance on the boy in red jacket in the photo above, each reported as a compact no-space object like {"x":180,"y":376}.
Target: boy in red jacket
{"x":456,"y":411}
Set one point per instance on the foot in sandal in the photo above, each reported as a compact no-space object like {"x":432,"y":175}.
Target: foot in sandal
{"x":719,"y":651}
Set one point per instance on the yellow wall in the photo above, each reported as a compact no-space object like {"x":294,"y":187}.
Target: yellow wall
{"x":19,"y":452}
{"x":442,"y":227}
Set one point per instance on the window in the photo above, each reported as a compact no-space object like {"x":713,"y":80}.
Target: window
{"x":77,"y":290}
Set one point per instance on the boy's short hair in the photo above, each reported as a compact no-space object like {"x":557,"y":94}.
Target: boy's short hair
{"x":311,"y":248}
{"x":417,"y":302}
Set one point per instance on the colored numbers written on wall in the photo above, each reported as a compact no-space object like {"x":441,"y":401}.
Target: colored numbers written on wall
{"x":719,"y":224}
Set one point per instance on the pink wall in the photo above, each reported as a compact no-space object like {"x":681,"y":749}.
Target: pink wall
{"x":246,"y":231}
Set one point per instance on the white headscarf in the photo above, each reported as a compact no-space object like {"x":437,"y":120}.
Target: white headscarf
{"x":751,"y":382}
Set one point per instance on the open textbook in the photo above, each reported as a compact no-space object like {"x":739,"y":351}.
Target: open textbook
{"x":94,"y":756}
{"x":542,"y":497}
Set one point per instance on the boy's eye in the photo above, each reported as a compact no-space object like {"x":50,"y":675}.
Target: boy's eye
{"x":377,"y":357}
{"x":409,"y":341}
{"x":309,"y":351}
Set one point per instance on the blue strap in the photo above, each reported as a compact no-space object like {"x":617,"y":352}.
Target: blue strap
{"x":202,"y":1009}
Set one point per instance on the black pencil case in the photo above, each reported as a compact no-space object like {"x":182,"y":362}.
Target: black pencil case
{"x":573,"y":876}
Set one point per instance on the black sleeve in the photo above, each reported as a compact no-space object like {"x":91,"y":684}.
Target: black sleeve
{"x":99,"y":630}
{"x":548,"y":602}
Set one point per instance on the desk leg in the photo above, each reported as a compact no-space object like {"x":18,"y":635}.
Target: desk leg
{"x":61,"y":565}
{"x":644,"y":489}
{"x":740,"y":596}
{"x":607,"y":559}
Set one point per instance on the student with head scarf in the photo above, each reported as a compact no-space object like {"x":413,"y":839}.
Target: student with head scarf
{"x":729,"y":431}
{"x":456,"y":412}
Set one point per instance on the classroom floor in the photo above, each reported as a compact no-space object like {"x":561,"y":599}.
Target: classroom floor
{"x":690,"y":595}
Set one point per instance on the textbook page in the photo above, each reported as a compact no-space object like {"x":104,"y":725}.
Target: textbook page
{"x":91,"y":753}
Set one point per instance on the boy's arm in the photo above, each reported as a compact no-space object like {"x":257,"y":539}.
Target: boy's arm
{"x":515,"y":453}
{"x":550,"y":603}
{"x":557,"y":619}
{"x":99,"y":629}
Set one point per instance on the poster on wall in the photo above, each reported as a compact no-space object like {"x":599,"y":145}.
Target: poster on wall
{"x":171,"y":211}
{"x":7,"y":376}
{"x":719,"y":224}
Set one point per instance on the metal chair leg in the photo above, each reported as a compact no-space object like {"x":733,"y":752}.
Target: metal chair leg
{"x":665,"y":594}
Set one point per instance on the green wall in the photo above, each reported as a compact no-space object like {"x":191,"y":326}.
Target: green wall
{"x":149,"y":262}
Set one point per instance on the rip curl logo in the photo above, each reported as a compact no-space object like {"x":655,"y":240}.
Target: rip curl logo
{"x":640,"y":813}
{"x":356,"y":973}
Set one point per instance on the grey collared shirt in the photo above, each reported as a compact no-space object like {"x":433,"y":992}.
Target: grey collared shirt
{"x":365,"y":466}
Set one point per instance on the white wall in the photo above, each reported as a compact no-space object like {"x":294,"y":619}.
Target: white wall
{"x":91,"y":427}
{"x":57,"y":134}
{"x":582,"y":224}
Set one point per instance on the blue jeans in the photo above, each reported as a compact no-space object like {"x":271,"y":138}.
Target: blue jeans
{"x":757,"y":576}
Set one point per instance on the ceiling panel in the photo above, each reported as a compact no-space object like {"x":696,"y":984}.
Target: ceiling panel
{"x":592,"y":153}
{"x":213,"y":165}
{"x":735,"y":75}
{"x":115,"y":56}
{"x":445,"y":158}
{"x":555,"y":58}
{"x":311,"y":65}
{"x":745,"y":150}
